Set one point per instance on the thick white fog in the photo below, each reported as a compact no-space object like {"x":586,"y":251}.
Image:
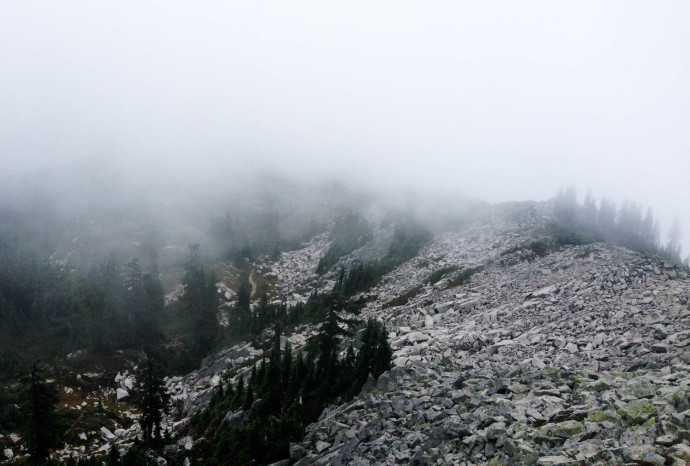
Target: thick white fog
{"x":500,"y":100}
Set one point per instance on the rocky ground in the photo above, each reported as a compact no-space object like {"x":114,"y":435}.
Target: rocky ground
{"x":503,"y":354}
{"x":578,"y":357}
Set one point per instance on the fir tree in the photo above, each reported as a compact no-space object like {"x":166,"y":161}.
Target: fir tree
{"x":200,"y":300}
{"x":154,"y":401}
{"x":43,"y":425}
{"x":286,"y":366}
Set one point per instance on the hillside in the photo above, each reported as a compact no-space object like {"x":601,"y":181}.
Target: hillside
{"x":506,"y":352}
{"x":510,"y":346}
{"x":577,"y":356}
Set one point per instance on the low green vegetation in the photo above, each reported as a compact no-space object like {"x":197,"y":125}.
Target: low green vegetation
{"x":463,"y":276}
{"x":408,"y":238}
{"x":439,"y":274}
{"x":351,"y":232}
{"x":405,"y":297}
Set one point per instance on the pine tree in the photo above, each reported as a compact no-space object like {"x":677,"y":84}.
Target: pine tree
{"x":244,"y":296}
{"x":253,"y":376}
{"x":286,"y":366}
{"x":200,"y":300}
{"x":375,"y":354}
{"x":606,"y":220}
{"x":673,"y":247}
{"x":588,"y":214}
{"x":248,"y":399}
{"x":238,"y":399}
{"x":43,"y":426}
{"x":154,"y":401}
{"x":328,"y":342}
{"x":383,"y":353}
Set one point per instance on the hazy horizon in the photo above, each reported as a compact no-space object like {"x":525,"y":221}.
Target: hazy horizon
{"x":500,"y":101}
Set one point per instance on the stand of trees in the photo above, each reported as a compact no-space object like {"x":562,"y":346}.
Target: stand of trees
{"x":626,"y":226}
{"x":107,"y":307}
{"x":255,"y":420}
{"x":351,"y":232}
{"x":408,"y":238}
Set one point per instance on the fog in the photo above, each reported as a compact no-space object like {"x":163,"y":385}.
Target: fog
{"x":496,"y":100}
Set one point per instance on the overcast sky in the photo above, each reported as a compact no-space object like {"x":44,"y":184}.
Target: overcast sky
{"x":503,"y":100}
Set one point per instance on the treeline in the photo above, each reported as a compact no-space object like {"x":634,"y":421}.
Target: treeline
{"x":47,"y":308}
{"x":247,"y":323}
{"x":267,"y":230}
{"x":111,"y":305}
{"x":351,"y":232}
{"x":588,"y":222}
{"x":254,"y":420}
{"x":408,"y":238}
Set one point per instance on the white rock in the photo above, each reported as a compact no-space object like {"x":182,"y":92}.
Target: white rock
{"x":107,"y":435}
{"x":417,"y":336}
{"x":121,"y":394}
{"x":9,"y":454}
{"x":321,"y":446}
{"x":129,"y":382}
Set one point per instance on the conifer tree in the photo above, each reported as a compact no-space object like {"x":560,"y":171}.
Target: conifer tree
{"x":238,"y":399}
{"x":43,"y":426}
{"x":382,"y":353}
{"x":673,"y":247}
{"x":200,"y":299}
{"x":248,"y":399}
{"x":286,"y":366}
{"x":154,"y":401}
{"x":375,"y":354}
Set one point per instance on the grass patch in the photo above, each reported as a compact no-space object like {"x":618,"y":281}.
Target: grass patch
{"x":464,"y":276}
{"x":265,"y":285}
{"x":404,"y":298}
{"x":439,"y":274}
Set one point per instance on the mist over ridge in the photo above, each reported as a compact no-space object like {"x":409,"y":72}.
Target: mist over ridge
{"x":508,"y":103}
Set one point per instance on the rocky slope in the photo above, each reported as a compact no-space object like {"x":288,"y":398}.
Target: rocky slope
{"x":580,"y":356}
{"x":507,"y":350}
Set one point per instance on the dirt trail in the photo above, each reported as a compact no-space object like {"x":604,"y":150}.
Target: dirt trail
{"x":252,"y":285}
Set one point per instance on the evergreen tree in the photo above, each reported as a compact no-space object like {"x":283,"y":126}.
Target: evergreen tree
{"x":286,"y":366}
{"x":383,"y":354}
{"x":200,"y":300}
{"x":328,"y":342}
{"x":43,"y":427}
{"x":606,"y":221}
{"x":248,"y":399}
{"x":153,"y":401}
{"x":238,"y":399}
{"x":244,"y":295}
{"x":134,"y":293}
{"x":588,"y":217}
{"x":375,"y":354}
{"x":673,"y":247}
{"x":566,"y":207}
{"x":649,"y":235}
